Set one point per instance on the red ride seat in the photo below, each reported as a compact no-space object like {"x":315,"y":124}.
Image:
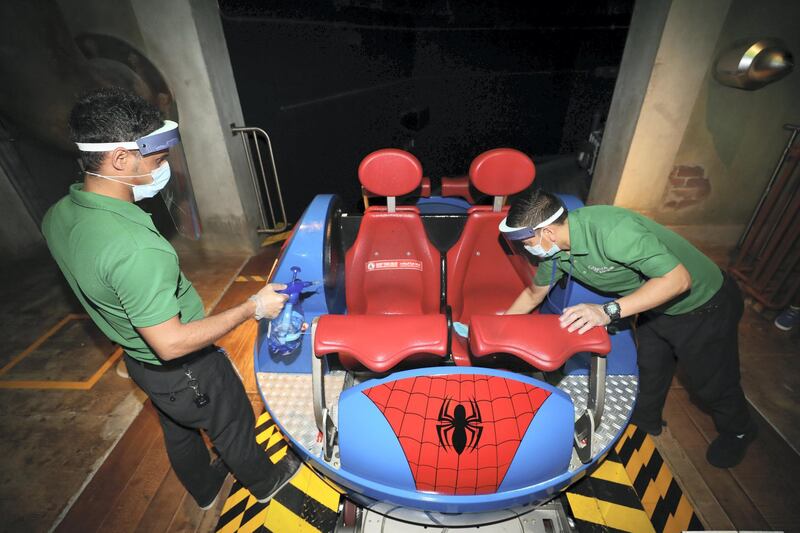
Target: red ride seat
{"x":392,"y":278}
{"x":483,"y":277}
{"x":537,"y":339}
{"x":381,"y":342}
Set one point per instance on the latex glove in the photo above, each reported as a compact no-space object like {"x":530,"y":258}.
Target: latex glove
{"x":461,"y":329}
{"x":268,"y":302}
{"x":583,"y":317}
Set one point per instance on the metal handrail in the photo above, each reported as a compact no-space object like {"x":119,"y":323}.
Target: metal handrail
{"x":256,"y":163}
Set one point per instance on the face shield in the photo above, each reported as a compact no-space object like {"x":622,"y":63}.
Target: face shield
{"x":177,"y":194}
{"x":515,"y":237}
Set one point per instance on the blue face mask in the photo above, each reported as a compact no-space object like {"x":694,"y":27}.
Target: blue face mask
{"x":540,"y":252}
{"x":160,"y":177}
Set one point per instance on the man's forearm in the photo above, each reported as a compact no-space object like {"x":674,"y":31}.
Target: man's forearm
{"x":655,"y":292}
{"x":183,"y":339}
{"x":201,"y":333}
{"x":528,"y":300}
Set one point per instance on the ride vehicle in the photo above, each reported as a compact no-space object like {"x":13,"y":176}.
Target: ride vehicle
{"x":382,"y":396}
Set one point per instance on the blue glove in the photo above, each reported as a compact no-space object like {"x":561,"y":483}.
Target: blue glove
{"x":461,"y":329}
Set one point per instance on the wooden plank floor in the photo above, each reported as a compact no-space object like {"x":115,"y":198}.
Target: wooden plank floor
{"x":135,"y":489}
{"x":761,"y":494}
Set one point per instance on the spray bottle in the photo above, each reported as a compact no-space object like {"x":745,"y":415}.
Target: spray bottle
{"x":286,"y":329}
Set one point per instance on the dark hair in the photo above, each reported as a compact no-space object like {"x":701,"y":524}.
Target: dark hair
{"x":534,"y":208}
{"x":110,"y":114}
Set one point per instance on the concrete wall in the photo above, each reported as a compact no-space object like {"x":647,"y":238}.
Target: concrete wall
{"x":734,"y":138}
{"x":19,"y":234}
{"x":696,"y":154}
{"x":184,"y":40}
{"x":636,"y":68}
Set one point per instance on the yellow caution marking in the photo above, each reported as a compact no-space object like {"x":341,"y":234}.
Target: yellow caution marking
{"x":252,"y":277}
{"x":634,"y":465}
{"x":232,"y":526}
{"x":646,"y":450}
{"x":308,"y":482}
{"x":274,"y":439}
{"x":683,"y":515}
{"x":663,"y":480}
{"x":650,"y":507}
{"x":279,"y":518}
{"x":278,"y":237}
{"x":263,"y":418}
{"x":257,"y":521}
{"x":280,"y":454}
{"x":625,"y":518}
{"x":650,"y":496}
{"x":262,"y":437}
{"x":56,"y":385}
{"x":612,"y":471}
{"x":585,"y":508}
{"x":673,"y":515}
{"x":234,"y":499}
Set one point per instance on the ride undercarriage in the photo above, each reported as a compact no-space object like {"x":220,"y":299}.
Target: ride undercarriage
{"x":416,"y":423}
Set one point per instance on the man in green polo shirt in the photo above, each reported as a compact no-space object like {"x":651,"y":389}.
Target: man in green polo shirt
{"x":688,"y":309}
{"x":127,"y":277}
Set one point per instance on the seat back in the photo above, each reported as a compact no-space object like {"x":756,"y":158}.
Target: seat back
{"x":483,"y":275}
{"x":392,"y":268}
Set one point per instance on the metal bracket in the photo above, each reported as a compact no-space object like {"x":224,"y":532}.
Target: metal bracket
{"x":591,"y":418}
{"x":329,"y":434}
{"x":584,"y":432}
{"x":597,"y":387}
{"x":317,"y":381}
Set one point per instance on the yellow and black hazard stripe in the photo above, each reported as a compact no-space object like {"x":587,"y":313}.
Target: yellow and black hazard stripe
{"x":663,"y":500}
{"x":306,"y":504}
{"x":605,"y":501}
{"x":276,"y":238}
{"x":631,"y":490}
{"x":243,"y":278}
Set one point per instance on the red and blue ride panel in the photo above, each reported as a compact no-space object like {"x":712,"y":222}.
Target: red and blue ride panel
{"x":453,"y":432}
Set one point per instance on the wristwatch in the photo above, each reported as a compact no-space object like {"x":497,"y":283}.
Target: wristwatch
{"x":612,"y":309}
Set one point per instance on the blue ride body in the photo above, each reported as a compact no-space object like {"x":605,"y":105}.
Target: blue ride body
{"x":389,"y":476}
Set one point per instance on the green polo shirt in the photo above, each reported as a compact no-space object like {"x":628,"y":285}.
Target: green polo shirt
{"x":616,"y":250}
{"x":122,"y":270}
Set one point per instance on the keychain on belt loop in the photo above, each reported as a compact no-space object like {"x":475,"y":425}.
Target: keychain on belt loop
{"x":200,"y":399}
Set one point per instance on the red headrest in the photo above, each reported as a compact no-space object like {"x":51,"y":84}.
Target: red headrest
{"x":390,"y":172}
{"x":502,"y":172}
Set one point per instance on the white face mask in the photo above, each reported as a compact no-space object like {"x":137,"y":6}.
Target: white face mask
{"x":540,"y":252}
{"x":160,"y":177}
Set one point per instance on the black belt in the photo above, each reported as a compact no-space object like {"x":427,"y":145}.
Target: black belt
{"x":713,"y":303}
{"x":176,"y":364}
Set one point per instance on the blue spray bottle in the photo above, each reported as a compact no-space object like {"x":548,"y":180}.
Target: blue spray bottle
{"x":285,"y":335}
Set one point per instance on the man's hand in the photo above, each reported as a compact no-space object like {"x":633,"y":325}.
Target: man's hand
{"x":583,"y":317}
{"x":268,"y":302}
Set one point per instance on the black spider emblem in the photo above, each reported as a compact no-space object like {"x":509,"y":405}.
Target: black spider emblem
{"x":455,"y":427}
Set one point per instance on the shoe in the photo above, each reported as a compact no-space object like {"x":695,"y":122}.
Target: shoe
{"x":222,"y":469}
{"x":122,"y":369}
{"x":728,"y":450}
{"x":788,"y":319}
{"x":214,"y":501}
{"x":649,"y":428}
{"x":283,"y":472}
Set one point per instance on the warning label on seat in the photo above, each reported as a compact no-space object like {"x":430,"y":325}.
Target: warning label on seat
{"x":394,"y":264}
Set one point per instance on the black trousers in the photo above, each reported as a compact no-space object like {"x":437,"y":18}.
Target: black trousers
{"x":228,"y":421}
{"x":705,"y":343}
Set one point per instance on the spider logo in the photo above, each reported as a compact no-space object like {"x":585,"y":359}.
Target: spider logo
{"x":456,"y":427}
